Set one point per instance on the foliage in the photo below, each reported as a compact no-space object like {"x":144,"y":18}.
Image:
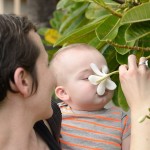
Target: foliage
{"x":116,"y":28}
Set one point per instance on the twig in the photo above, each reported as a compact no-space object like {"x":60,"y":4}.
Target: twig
{"x":128,"y":47}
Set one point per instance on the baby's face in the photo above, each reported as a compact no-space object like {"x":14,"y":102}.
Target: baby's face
{"x":82,"y":93}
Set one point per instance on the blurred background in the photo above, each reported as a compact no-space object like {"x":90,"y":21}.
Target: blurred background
{"x":13,"y":6}
{"x":40,"y":11}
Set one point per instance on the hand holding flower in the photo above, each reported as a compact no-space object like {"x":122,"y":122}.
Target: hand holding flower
{"x":137,"y":83}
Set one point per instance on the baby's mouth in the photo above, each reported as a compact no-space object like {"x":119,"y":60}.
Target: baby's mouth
{"x":106,"y":92}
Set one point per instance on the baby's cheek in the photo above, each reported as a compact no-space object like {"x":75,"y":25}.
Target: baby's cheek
{"x":110,"y":95}
{"x":92,"y":87}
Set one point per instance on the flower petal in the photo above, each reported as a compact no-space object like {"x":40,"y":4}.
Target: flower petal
{"x":105,"y":69}
{"x":110,"y":85}
{"x":95,"y":69}
{"x":93,"y":79}
{"x":101,"y":88}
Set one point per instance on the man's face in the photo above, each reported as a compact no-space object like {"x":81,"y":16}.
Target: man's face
{"x":45,"y":80}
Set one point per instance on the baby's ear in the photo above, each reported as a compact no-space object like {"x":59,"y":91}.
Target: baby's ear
{"x":61,"y":93}
{"x":22,"y":82}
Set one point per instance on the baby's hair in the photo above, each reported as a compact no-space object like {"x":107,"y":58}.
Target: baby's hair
{"x":55,"y":59}
{"x":77,"y":46}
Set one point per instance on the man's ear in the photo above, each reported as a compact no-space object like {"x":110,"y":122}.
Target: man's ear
{"x":22,"y":82}
{"x":61,"y":93}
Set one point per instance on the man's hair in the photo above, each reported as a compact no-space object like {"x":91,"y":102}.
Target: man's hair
{"x":17,"y":49}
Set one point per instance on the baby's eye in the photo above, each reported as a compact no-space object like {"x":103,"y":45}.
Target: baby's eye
{"x":86,"y":78}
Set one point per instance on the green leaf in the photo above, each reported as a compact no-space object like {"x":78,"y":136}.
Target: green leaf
{"x":108,"y":29}
{"x":105,"y":3}
{"x":138,"y":54}
{"x":94,"y":11}
{"x":122,"y":59}
{"x":79,"y":32}
{"x":95,"y":42}
{"x":58,"y":17}
{"x":81,"y":20}
{"x":63,"y":4}
{"x":137,"y":14}
{"x":83,"y":39}
{"x":145,"y":54}
{"x":145,"y":41}
{"x":73,"y":16}
{"x":120,"y":39}
{"x":144,"y":1}
{"x":137,"y":30}
{"x":82,"y":0}
{"x":111,"y":2}
{"x":122,"y":100}
{"x":42,"y":31}
{"x":46,"y":44}
{"x":109,"y":53}
{"x":51,"y":52}
{"x":115,"y":98}
{"x":99,"y":2}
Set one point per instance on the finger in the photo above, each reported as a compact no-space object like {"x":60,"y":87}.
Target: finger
{"x":143,"y":64}
{"x":132,"y":62}
{"x":123,"y":68}
{"x":122,"y":71}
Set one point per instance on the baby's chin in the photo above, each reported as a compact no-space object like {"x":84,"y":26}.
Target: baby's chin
{"x":98,"y":105}
{"x":102,"y":99}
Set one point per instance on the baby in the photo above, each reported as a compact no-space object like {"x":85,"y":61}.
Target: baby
{"x":86,"y":124}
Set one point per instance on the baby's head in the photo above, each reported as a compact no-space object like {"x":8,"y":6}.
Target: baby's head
{"x":71,"y":67}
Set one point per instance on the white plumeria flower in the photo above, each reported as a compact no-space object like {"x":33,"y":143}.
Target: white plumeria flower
{"x":101,"y":79}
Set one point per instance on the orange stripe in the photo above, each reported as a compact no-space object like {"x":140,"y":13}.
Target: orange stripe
{"x":125,"y":131}
{"x":125,"y":124}
{"x":78,"y":145}
{"x":92,"y":131}
{"x":125,"y":120}
{"x":91,"y":139}
{"x":90,"y":122}
{"x":117,"y":113}
{"x":115,"y":110}
{"x":92,"y":116}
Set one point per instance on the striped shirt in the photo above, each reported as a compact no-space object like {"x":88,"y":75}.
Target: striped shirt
{"x":96,"y":130}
